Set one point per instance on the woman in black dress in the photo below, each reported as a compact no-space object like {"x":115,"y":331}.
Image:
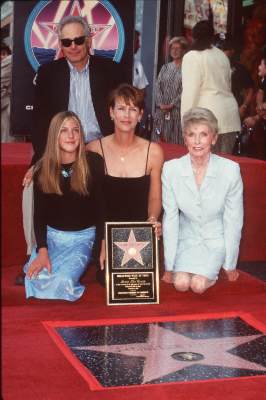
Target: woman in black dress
{"x":133,"y":165}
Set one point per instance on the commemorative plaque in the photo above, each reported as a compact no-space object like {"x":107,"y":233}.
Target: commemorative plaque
{"x":132,"y":270}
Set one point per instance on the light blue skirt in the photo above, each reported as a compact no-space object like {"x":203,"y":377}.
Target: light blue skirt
{"x":204,"y":257}
{"x":69,"y":252}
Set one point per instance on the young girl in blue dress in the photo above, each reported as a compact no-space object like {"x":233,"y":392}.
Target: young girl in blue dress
{"x":68,"y":207}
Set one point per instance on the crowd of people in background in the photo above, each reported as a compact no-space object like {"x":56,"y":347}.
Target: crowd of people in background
{"x":205,"y":77}
{"x":87,"y":148}
{"x":6,"y":65}
{"x":168,"y":90}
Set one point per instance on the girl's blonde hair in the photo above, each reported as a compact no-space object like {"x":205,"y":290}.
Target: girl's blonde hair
{"x":49,"y":166}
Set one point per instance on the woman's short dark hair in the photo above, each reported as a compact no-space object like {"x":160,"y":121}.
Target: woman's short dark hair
{"x":203,"y":35}
{"x":129,"y":94}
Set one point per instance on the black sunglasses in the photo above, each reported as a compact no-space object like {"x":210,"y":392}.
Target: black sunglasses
{"x":77,"y":40}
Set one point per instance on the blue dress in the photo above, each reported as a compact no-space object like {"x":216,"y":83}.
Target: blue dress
{"x":70,"y":253}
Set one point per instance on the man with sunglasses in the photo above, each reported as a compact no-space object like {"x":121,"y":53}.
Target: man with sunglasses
{"x":79,"y":82}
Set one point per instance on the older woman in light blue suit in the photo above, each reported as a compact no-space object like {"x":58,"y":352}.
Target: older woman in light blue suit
{"x":203,"y":209}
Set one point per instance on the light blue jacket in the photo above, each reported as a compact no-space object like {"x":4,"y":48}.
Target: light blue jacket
{"x":215,"y":211}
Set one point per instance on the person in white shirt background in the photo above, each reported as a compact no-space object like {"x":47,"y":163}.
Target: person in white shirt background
{"x":140,"y":80}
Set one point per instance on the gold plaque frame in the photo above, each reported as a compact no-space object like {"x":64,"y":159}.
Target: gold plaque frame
{"x":132,"y":267}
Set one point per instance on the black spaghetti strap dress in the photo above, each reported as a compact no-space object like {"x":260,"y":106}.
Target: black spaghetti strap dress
{"x":126,"y":198}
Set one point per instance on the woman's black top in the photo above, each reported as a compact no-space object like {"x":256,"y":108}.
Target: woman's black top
{"x":126,"y":198}
{"x":71,"y":211}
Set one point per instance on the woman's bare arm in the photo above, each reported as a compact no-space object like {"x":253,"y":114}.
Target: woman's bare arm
{"x":156,"y":159}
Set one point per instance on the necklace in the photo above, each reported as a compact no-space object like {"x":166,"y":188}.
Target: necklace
{"x":199,"y":170}
{"x":124,"y":150}
{"x":66,"y":173}
{"x":195,"y":171}
{"x":123,"y":157}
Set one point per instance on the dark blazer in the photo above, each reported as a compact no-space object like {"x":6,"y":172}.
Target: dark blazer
{"x":52,"y":95}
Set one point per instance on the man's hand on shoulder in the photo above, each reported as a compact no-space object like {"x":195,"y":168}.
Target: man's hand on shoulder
{"x":93,"y":146}
{"x":28,"y":177}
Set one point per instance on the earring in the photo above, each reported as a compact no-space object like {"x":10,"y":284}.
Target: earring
{"x":112,"y":118}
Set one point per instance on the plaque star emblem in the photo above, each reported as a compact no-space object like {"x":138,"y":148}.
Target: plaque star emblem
{"x":163,"y":344}
{"x":131,"y":249}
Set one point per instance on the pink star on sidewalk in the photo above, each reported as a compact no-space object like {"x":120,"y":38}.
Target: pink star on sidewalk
{"x":162,"y":343}
{"x":131,"y":249}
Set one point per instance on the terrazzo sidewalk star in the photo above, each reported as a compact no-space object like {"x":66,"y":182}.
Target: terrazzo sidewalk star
{"x":163,"y":351}
{"x":162,"y":344}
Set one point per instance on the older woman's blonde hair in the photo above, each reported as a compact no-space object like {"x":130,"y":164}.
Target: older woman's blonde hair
{"x":179,"y":39}
{"x":199,"y":115}
{"x":49,"y":166}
